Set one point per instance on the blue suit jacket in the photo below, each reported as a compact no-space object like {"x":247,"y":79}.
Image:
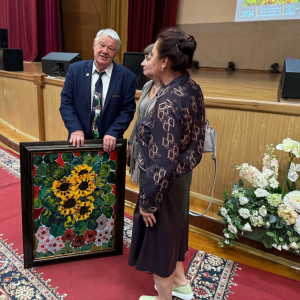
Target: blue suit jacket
{"x":119,"y":106}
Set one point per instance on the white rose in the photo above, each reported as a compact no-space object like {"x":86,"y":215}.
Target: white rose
{"x":278,"y":247}
{"x":227,"y":235}
{"x":247,"y":227}
{"x":223,"y":211}
{"x":227,"y":242}
{"x":263,"y":212}
{"x":273,"y":183}
{"x":297,"y":225}
{"x":293,"y":199}
{"x":294,"y":246}
{"x":243,"y":200}
{"x":228,"y":219}
{"x":244,"y":212}
{"x":261,"y":193}
{"x":285,"y":247}
{"x":232,"y":229}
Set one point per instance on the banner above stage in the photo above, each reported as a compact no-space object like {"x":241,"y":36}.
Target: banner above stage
{"x":266,"y":10}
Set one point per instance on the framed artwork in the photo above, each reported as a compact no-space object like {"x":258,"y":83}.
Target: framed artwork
{"x":72,"y":201}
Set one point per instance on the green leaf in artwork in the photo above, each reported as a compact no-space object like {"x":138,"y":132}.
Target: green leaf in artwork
{"x":107,"y":189}
{"x":38,"y":202}
{"x":68,"y":169}
{"x":97,"y":158}
{"x":46,"y":217}
{"x":51,"y":202}
{"x":76,"y":161}
{"x":112,"y":164}
{"x":48,"y":158}
{"x":37,"y":180}
{"x":97,"y":166}
{"x":92,"y":224}
{"x":95,"y":214}
{"x":87,"y":160}
{"x":99,"y":202}
{"x":107,"y":211}
{"x":105,"y":169}
{"x":80,"y":227}
{"x":109,"y":199}
{"x":87,"y":247}
{"x":105,"y":246}
{"x":45,"y":192}
{"x":111,"y":242}
{"x":42,"y":170}
{"x":68,"y":157}
{"x":37,"y":160}
{"x":59,"y":173}
{"x":111,"y":178}
{"x":94,"y":153}
{"x":37,"y":225}
{"x":52,"y":167}
{"x":57,"y":229}
{"x":99,"y":181}
{"x":105,"y":156}
{"x":48,"y":182}
{"x":84,"y":154}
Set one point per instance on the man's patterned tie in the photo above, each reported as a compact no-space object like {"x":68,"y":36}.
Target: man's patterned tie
{"x":97,"y":105}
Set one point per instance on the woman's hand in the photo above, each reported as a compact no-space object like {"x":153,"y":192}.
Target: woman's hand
{"x":149,"y":219}
{"x":128,"y":155}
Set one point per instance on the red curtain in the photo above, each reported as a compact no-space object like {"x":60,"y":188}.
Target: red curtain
{"x":146,"y":18}
{"x":140,"y":24}
{"x":33,"y":25}
{"x":21,"y":22}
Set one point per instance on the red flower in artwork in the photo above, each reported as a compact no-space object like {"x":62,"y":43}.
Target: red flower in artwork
{"x":78,"y":241}
{"x":90,"y":236}
{"x":68,"y":236}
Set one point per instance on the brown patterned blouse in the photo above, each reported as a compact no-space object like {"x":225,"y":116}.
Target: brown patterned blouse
{"x":170,"y":139}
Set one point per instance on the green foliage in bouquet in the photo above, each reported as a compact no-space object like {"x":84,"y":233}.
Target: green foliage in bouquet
{"x":265,"y":212}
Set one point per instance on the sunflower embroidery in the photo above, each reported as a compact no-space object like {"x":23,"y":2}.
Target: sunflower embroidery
{"x":83,"y":185}
{"x":83,"y":210}
{"x":67,"y":206}
{"x":62,"y":188}
{"x":83,"y":169}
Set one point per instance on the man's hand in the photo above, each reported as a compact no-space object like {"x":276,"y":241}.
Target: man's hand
{"x":109,"y":143}
{"x":128,"y":155}
{"x":149,"y":219}
{"x":77,"y":138}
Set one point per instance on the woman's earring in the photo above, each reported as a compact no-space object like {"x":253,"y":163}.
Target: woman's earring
{"x":162,"y":69}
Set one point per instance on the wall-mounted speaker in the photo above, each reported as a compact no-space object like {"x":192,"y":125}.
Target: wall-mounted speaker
{"x":57,"y":63}
{"x":132,"y":61}
{"x":11,"y":59}
{"x":289,"y":85}
{"x":3,"y":38}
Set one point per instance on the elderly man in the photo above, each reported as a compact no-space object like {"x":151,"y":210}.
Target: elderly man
{"x":98,"y":97}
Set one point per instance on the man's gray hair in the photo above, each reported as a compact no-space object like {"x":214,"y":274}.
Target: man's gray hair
{"x":112,"y":34}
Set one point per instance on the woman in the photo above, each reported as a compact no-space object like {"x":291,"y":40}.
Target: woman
{"x":170,"y":144}
{"x":146,"y":103}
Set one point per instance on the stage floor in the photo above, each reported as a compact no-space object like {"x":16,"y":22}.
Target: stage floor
{"x":242,"y":85}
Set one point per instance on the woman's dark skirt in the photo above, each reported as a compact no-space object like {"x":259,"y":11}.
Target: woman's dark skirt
{"x":157,"y":249}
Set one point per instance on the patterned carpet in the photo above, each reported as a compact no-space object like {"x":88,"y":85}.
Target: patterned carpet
{"x":211,"y":277}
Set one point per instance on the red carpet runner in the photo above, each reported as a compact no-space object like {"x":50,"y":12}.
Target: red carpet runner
{"x":111,"y":278}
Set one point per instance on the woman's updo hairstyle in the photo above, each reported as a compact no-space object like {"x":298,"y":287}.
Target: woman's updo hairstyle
{"x":178,"y":46}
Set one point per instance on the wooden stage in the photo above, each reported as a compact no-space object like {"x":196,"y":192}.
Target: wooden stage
{"x":242,"y":107}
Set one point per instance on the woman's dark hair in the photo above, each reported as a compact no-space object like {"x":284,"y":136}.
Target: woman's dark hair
{"x":178,"y":46}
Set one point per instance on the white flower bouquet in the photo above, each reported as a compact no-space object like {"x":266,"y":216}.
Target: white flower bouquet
{"x":265,"y":212}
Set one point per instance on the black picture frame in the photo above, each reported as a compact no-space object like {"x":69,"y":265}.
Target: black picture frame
{"x":34,"y":155}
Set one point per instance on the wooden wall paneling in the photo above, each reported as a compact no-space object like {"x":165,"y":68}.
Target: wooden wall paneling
{"x":55,"y":129}
{"x":19,"y":105}
{"x":39,"y":82}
